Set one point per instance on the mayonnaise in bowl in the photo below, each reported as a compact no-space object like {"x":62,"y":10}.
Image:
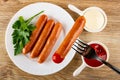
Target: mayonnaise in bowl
{"x":96,"y":19}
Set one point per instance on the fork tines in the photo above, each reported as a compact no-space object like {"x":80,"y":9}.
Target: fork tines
{"x":79,"y":46}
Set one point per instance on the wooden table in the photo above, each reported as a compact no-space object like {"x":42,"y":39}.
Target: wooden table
{"x":110,"y":36}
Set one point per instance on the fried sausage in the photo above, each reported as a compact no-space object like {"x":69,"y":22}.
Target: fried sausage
{"x":50,"y":42}
{"x":42,"y":39}
{"x":67,"y":43}
{"x":35,"y":34}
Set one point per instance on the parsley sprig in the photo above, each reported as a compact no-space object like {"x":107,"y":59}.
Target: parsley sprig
{"x":22,"y":30}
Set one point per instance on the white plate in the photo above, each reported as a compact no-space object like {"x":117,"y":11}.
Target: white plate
{"x":24,"y":62}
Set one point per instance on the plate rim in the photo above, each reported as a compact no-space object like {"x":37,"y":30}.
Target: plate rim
{"x":7,"y":29}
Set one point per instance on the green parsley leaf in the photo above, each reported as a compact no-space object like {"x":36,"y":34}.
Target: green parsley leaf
{"x":22,"y":30}
{"x":16,"y":25}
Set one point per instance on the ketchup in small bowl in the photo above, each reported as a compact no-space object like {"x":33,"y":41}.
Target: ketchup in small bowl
{"x":101,"y":52}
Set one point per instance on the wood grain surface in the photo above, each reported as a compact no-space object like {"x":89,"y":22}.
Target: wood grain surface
{"x":110,"y":36}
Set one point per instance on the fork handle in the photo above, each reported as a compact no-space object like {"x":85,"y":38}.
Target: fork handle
{"x":110,"y":65}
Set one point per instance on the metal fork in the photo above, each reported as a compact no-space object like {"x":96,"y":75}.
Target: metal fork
{"x":88,"y":52}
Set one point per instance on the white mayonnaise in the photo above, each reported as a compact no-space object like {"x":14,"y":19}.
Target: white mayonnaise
{"x":95,"y":20}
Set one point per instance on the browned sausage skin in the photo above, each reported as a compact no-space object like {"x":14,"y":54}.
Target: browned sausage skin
{"x":50,"y":42}
{"x":42,"y":39}
{"x":67,"y":43}
{"x":35,"y":34}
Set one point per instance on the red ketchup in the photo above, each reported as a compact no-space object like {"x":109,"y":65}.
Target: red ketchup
{"x":100,"y":52}
{"x":57,"y":58}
